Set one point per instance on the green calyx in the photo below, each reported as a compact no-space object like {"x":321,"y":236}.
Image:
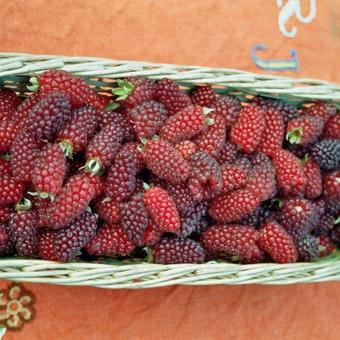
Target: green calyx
{"x":67,"y":148}
{"x":123,"y":90}
{"x":150,"y":258}
{"x":208,"y":120}
{"x":140,"y":147}
{"x":6,"y":157}
{"x":337,"y":221}
{"x":43,"y":195}
{"x":294,"y":136}
{"x":111,"y":106}
{"x":34,"y":86}
{"x":92,"y":166}
{"x":146,"y":186}
{"x":304,"y":159}
{"x":24,"y":205}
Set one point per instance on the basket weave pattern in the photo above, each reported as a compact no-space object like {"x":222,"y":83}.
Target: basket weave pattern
{"x":15,"y":71}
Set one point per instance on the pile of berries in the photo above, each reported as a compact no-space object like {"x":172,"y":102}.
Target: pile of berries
{"x":152,"y":171}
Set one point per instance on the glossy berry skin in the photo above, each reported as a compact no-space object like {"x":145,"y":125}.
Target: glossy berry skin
{"x":232,"y":240}
{"x":275,"y":240}
{"x":104,"y":146}
{"x":110,"y":240}
{"x":24,"y":153}
{"x":203,"y":96}
{"x":8,"y":103}
{"x":186,"y":124}
{"x":228,"y":153}
{"x":327,"y":154}
{"x":289,"y":173}
{"x":287,"y":111}
{"x":147,"y":118}
{"x":181,"y":194}
{"x":121,"y":178}
{"x":307,"y":246}
{"x":152,"y":234}
{"x":178,"y":250}
{"x":165,"y":161}
{"x":97,"y":101}
{"x":325,"y":224}
{"x":72,"y":200}
{"x":313,"y":188}
{"x":97,"y":182}
{"x":262,"y":182}
{"x":108,"y":210}
{"x":304,"y":130}
{"x":232,"y":207}
{"x":70,"y":240}
{"x":10,"y":191}
{"x":213,"y":138}
{"x":78,"y":131}
{"x":205,"y":181}
{"x":8,"y":132}
{"x":233,"y":177}
{"x":228,"y":107}
{"x":331,"y":185}
{"x":321,"y":110}
{"x":6,"y":242}
{"x":132,"y":148}
{"x":248,"y":129}
{"x":135,"y":219}
{"x":326,"y":245}
{"x":5,"y":213}
{"x":259,"y":158}
{"x":45,"y":247}
{"x":273,"y":134}
{"x":61,"y":81}
{"x":298,"y":214}
{"x":260,"y":215}
{"x":168,"y":93}
{"x":162,"y":209}
{"x":49,"y":170}
{"x":332,"y":128}
{"x":23,"y":226}
{"x":187,"y":148}
{"x":49,"y":115}
{"x":5,"y":167}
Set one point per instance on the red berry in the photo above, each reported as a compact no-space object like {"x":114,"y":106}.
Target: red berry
{"x":228,"y":153}
{"x":8,"y":132}
{"x":332,"y":128}
{"x":8,"y":103}
{"x":313,"y":188}
{"x":77,"y":132}
{"x":5,"y":167}
{"x":64,"y":82}
{"x":45,"y":247}
{"x":181,"y":194}
{"x":321,"y":110}
{"x":5,"y":213}
{"x":72,"y":200}
{"x":147,"y":118}
{"x":187,"y":148}
{"x":6,"y":240}
{"x":121,"y":177}
{"x":97,"y":101}
{"x":49,"y":170}
{"x":232,"y":207}
{"x":276,"y":241}
{"x":108,"y":210}
{"x":135,"y":219}
{"x":162,"y":209}
{"x":325,"y":224}
{"x":326,"y":246}
{"x":168,"y":93}
{"x":259,"y":158}
{"x":232,"y":240}
{"x":186,"y":124}
{"x":298,"y":214}
{"x":10,"y":190}
{"x":289,"y":172}
{"x":24,"y":152}
{"x":70,"y":240}
{"x":248,"y":129}
{"x":152,"y":234}
{"x":228,"y":107}
{"x":134,"y":91}
{"x":103,"y":147}
{"x":233,"y":177}
{"x":273,"y":134}
{"x":110,"y":240}
{"x":213,"y":138}
{"x":132,"y":148}
{"x":203,"y":96}
{"x":23,"y":227}
{"x":97,"y":182}
{"x":307,"y":246}
{"x":205,"y":181}
{"x":165,"y":161}
{"x":178,"y":250}
{"x":304,"y":130}
{"x":331,"y":185}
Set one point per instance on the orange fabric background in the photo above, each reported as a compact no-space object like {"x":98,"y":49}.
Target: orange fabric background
{"x":213,"y":33}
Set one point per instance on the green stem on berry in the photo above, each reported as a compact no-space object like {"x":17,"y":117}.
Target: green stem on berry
{"x":337,"y":221}
{"x":304,"y":159}
{"x":111,"y":106}
{"x":123,"y":90}
{"x":294,"y":136}
{"x":146,"y":186}
{"x":106,"y":199}
{"x":24,"y":205}
{"x":6,"y":157}
{"x":67,"y":148}
{"x":207,"y":110}
{"x":209,"y":121}
{"x":321,"y":248}
{"x":34,"y":87}
{"x":149,"y":255}
{"x":43,"y":195}
{"x":155,"y":137}
{"x":92,"y":166}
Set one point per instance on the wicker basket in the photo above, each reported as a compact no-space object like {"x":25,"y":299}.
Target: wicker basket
{"x":15,"y":71}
